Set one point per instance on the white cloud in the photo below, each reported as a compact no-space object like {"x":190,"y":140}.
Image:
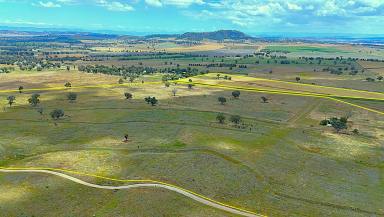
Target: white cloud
{"x":293,"y":6}
{"x":155,"y":3}
{"x":49,"y":4}
{"x":178,"y":3}
{"x":115,"y":6}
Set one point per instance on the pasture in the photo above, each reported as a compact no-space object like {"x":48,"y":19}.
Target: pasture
{"x":278,"y":161}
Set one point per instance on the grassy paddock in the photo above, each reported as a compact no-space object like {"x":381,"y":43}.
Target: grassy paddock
{"x":281,"y":163}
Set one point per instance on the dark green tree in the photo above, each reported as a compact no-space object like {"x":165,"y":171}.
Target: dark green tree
{"x":72,"y":96}
{"x":57,"y":114}
{"x":236,"y":94}
{"x":128,"y":95}
{"x":34,"y":99}
{"x":153,"y":101}
{"x":338,"y":124}
{"x":235,"y":119}
{"x":11,"y":100}
{"x":264,"y":99}
{"x":220,"y":117}
{"x":222,"y":100}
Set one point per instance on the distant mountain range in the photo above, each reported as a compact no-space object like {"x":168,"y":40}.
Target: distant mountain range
{"x":198,"y":36}
{"x":73,"y":36}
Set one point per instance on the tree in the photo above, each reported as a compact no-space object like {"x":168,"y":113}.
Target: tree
{"x":190,"y":86}
{"x":57,"y":114}
{"x":222,"y":100}
{"x":264,"y":99}
{"x":147,"y":99}
{"x":298,"y":79}
{"x":120,"y":81}
{"x":21,"y":88}
{"x":236,"y":94}
{"x":218,"y":76}
{"x":220,"y":117}
{"x":68,"y":84}
{"x":34,"y":99}
{"x":68,"y":68}
{"x":370,"y":79}
{"x":338,"y":124}
{"x":11,"y":100}
{"x":324,"y":122}
{"x":153,"y":101}
{"x":174,"y":91}
{"x":128,"y":95}
{"x":72,"y":97}
{"x":235,"y":119}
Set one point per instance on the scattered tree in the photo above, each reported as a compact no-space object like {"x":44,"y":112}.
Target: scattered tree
{"x":355,"y":131}
{"x":68,"y":84}
{"x":11,"y":100}
{"x":380,"y":78}
{"x":218,"y":76}
{"x":167,"y":84}
{"x":190,"y":86}
{"x":121,"y":81}
{"x":324,"y":122}
{"x":21,"y":88}
{"x":57,"y":114}
{"x":128,"y":95}
{"x":151,"y":100}
{"x":236,"y":94}
{"x":72,"y":97}
{"x":235,"y":119}
{"x":147,"y":99}
{"x":264,"y":99}
{"x":174,"y":91}
{"x":222,"y":100}
{"x":220,"y":117}
{"x":338,"y":123}
{"x":298,"y":79}
{"x":34,"y":99}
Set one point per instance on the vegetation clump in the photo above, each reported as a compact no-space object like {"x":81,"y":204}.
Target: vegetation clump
{"x":57,"y":114}
{"x":34,"y":99}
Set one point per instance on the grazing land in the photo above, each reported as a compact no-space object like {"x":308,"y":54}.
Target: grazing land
{"x":271,"y":128}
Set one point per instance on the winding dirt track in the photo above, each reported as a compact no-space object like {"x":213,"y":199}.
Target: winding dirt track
{"x":177,"y":190}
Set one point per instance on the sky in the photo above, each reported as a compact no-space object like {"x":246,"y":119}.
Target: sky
{"x":345,"y":17}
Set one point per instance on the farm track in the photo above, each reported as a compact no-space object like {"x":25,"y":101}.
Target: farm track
{"x":306,"y":111}
{"x":142,"y":183}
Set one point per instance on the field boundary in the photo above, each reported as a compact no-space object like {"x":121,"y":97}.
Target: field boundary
{"x":330,"y":97}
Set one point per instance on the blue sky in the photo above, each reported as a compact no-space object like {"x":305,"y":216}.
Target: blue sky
{"x":175,"y":16}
